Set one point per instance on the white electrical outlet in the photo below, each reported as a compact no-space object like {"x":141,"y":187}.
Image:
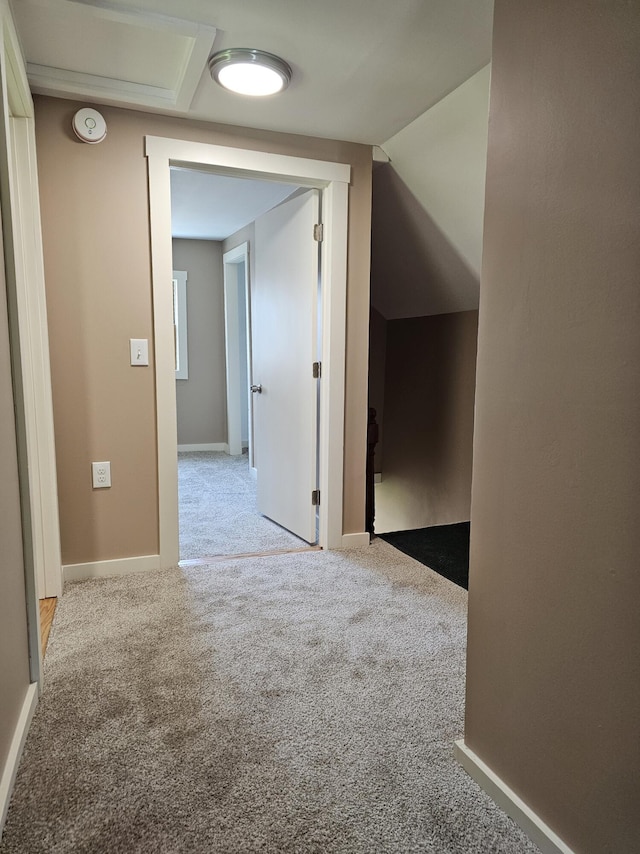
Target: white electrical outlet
{"x":101,"y":474}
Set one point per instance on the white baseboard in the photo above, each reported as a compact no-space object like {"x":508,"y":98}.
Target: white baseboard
{"x":354,"y":541}
{"x":535,"y":828}
{"x":108,"y":568}
{"x":212,"y":446}
{"x":8,"y":777}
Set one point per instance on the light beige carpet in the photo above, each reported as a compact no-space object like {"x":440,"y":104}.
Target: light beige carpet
{"x":299,"y":704}
{"x":218,"y":509}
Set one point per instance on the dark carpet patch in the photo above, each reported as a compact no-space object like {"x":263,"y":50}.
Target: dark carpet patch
{"x":443,"y":548}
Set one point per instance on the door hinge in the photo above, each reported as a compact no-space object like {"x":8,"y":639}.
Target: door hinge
{"x":318,"y":232}
{"x":317,"y":370}
{"x":315,"y":498}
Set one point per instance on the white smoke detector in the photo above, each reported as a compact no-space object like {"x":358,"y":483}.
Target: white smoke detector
{"x":89,"y":125}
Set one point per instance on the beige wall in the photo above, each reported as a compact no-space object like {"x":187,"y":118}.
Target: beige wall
{"x":95,"y":223}
{"x":553,"y":682}
{"x":201,"y":399}
{"x":14,"y":647}
{"x":428,"y":422}
{"x":377,"y":362}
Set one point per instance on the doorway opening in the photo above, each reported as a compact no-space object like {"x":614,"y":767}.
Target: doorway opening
{"x":222,"y":236}
{"x":332,"y":180}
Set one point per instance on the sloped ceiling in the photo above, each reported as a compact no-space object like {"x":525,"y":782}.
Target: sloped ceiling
{"x":362,"y":69}
{"x":428,"y":208}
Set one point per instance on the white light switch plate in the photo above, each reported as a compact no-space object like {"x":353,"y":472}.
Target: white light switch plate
{"x":101,"y":475}
{"x":139,"y":351}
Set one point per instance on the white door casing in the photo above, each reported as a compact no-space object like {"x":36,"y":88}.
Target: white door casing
{"x":28,"y":268}
{"x":236,"y":279}
{"x":284,"y":334}
{"x":333,"y":180}
{"x":179,"y":281}
{"x":24,"y":270}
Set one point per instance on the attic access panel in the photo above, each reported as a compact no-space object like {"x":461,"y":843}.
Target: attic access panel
{"x":112,"y":55}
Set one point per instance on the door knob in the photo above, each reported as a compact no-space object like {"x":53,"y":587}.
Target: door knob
{"x":256,"y":389}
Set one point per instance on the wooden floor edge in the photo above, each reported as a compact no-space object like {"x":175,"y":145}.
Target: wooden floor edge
{"x":208,"y":560}
{"x":47,"y":610}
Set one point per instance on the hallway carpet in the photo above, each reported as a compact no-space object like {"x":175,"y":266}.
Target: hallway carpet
{"x":218,"y":509}
{"x":296,"y":704}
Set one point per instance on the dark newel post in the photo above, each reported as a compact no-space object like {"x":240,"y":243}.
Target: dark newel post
{"x":372,"y":441}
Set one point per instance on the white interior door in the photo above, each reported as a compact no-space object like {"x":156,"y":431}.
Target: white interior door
{"x":284,"y":331}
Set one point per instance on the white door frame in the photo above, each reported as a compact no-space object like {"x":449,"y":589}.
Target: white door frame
{"x":34,"y":338}
{"x":333,"y":179}
{"x":231,"y":262}
{"x":181,"y":277}
{"x":24,"y":269}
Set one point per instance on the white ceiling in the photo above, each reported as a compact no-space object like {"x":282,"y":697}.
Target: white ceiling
{"x":212,"y":207}
{"x":362,"y":69}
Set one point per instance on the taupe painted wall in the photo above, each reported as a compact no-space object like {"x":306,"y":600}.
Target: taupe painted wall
{"x":14,"y":646}
{"x":201,"y":400}
{"x":428,"y":422}
{"x":553,"y":680}
{"x":95,"y":222}
{"x":377,"y":362}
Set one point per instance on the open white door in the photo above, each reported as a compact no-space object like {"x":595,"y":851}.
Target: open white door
{"x":284,"y":330}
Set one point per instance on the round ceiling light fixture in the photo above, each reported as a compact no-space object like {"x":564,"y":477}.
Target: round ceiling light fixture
{"x":249,"y":72}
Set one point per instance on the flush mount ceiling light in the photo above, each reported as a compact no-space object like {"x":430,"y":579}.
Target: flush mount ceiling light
{"x":249,"y":72}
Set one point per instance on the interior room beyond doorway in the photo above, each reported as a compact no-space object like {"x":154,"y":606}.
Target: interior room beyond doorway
{"x":218,"y":509}
{"x":213,"y":217}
